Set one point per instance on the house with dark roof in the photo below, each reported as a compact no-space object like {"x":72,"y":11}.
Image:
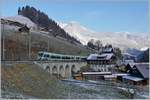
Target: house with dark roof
{"x":140,"y":70}
{"x":102,"y":62}
{"x":139,"y":74}
{"x":24,"y":29}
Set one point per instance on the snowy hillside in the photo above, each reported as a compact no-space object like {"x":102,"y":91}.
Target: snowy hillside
{"x":21,"y":19}
{"x":79,"y":32}
{"x":123,"y":40}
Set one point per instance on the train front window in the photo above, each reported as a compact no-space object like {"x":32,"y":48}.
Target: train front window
{"x":40,"y":54}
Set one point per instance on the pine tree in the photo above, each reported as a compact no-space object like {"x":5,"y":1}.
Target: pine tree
{"x":42,"y":20}
{"x":19,"y":11}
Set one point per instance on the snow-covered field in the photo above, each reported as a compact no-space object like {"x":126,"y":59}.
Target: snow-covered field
{"x":89,"y":90}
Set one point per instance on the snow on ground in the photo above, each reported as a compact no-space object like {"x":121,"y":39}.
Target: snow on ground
{"x":94,"y":91}
{"x":21,"y":19}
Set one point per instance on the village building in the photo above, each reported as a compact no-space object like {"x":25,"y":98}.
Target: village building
{"x":15,"y":25}
{"x":24,"y":29}
{"x":96,"y":76}
{"x":9,"y":22}
{"x":139,"y":74}
{"x":102,"y":62}
{"x":110,"y":77}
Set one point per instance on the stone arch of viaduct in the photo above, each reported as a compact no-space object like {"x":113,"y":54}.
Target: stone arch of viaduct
{"x":62,"y":69}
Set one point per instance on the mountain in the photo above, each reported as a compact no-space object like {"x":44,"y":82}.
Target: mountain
{"x":133,"y":51}
{"x":81,"y":33}
{"x":123,"y":40}
{"x":17,"y":43}
{"x":144,"y":49}
{"x":42,"y":20}
{"x":143,"y":56}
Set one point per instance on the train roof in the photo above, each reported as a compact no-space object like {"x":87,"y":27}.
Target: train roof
{"x":59,"y":54}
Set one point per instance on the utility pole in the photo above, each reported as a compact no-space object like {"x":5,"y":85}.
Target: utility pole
{"x":48,"y":39}
{"x":29,"y":48}
{"x":3,"y":42}
{"x":48,"y":45}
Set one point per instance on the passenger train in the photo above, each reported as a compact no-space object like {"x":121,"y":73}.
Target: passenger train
{"x":53,"y":56}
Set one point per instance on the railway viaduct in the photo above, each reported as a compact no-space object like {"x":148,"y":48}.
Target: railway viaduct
{"x":63,"y":69}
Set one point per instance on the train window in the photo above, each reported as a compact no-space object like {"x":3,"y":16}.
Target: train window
{"x":40,"y":54}
{"x":63,"y":57}
{"x":67,"y":57}
{"x":58,"y":57}
{"x":45,"y":55}
{"x":53,"y":57}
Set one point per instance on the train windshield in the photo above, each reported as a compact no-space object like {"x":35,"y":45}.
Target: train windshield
{"x":40,"y":54}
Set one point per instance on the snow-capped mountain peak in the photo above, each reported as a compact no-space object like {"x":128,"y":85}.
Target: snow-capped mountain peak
{"x":78,"y":31}
{"x":144,"y":48}
{"x":122,"y":40}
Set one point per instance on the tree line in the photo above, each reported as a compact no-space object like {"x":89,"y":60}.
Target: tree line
{"x":98,"y":46}
{"x":42,"y":20}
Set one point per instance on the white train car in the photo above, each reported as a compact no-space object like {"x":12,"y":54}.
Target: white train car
{"x":53,"y":56}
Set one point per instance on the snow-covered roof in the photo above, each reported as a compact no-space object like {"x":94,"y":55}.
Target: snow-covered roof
{"x":132,"y":78}
{"x":92,"y":57}
{"x":21,"y":19}
{"x":120,"y":74}
{"x":104,"y":56}
{"x":143,"y":69}
{"x":107,"y":56}
{"x":96,"y":73}
{"x":110,"y":76}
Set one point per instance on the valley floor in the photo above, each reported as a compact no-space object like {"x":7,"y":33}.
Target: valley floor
{"x":29,"y":81}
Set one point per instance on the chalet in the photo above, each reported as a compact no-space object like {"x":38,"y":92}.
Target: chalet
{"x":9,"y":22}
{"x":110,"y":77}
{"x":114,"y":76}
{"x":24,"y":29}
{"x":139,"y":74}
{"x":102,"y":62}
{"x":96,"y":76}
{"x":77,"y":76}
